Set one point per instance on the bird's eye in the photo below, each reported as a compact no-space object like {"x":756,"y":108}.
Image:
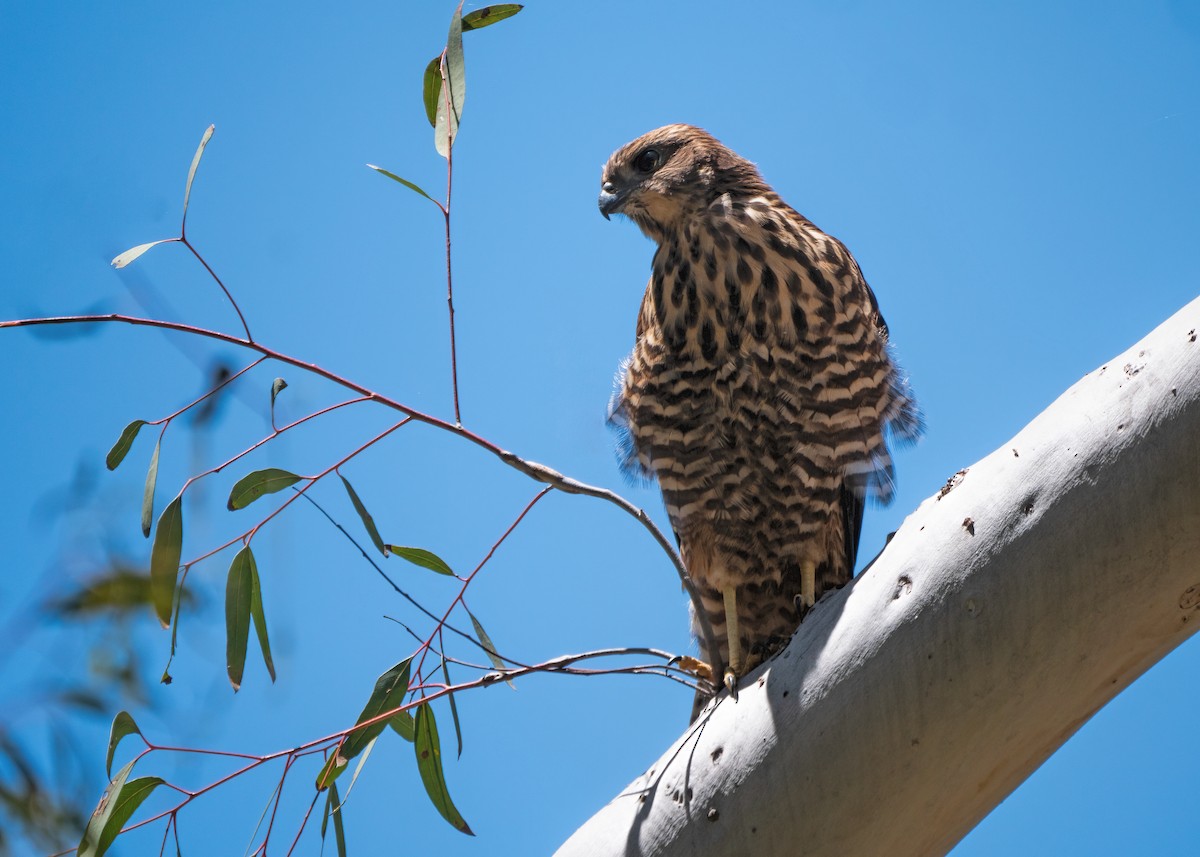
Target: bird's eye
{"x":647,"y":161}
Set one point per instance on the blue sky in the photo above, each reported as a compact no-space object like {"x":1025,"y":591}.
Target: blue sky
{"x":1017,"y":181}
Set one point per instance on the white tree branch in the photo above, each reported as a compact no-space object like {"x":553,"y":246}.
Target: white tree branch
{"x":1001,"y":617}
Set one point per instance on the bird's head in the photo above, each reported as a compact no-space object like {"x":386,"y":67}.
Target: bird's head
{"x":671,"y":174}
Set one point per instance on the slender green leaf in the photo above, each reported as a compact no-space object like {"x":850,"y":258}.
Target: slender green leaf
{"x":339,"y":828}
{"x":367,"y":520}
{"x":122,"y":726}
{"x":325,"y":817}
{"x":259,"y":483}
{"x":421,"y":557}
{"x":489,"y":647}
{"x":187,"y":191}
{"x":454,"y":88}
{"x":404,"y":182}
{"x":133,"y":252}
{"x":362,"y":760}
{"x":117,"y":804}
{"x":402,"y":724}
{"x":489,"y":15}
{"x":259,"y":617}
{"x":453,"y":708}
{"x":148,"y":492}
{"x":238,"y":588}
{"x":487,"y":643}
{"x":179,"y":602}
{"x":431,"y":89}
{"x":164,"y":559}
{"x":121,"y":448}
{"x":429,"y":764}
{"x":388,"y":693}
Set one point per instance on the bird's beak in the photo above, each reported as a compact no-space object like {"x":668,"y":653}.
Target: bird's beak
{"x":610,"y":201}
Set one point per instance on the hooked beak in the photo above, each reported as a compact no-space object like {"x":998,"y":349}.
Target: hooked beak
{"x":610,"y":201}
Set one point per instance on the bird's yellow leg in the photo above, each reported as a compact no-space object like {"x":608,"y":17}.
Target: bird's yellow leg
{"x":734,"y":668}
{"x":808,"y":583}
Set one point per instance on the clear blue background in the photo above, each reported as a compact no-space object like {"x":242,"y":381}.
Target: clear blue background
{"x":1018,"y":181}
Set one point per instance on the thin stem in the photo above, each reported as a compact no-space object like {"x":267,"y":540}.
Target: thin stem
{"x":304,"y":823}
{"x":467,"y":581}
{"x":385,"y":576}
{"x":449,"y":272}
{"x":228,"y":296}
{"x":275,"y":432}
{"x":249,"y":535}
{"x":211,"y":392}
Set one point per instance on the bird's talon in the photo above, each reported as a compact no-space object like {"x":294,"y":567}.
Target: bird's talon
{"x":731,"y":683}
{"x":696,"y":667}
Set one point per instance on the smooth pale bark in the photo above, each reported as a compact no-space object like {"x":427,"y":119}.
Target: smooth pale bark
{"x":1006,"y":611}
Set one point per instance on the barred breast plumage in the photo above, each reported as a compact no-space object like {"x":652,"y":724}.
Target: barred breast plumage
{"x":760,"y":391}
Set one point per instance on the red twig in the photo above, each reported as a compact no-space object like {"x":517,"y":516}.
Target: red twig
{"x":304,"y":822}
{"x":213,"y":274}
{"x":275,"y":432}
{"x":467,"y":581}
{"x":211,"y":392}
{"x":247,"y":536}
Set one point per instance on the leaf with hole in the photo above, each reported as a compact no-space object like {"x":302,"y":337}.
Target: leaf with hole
{"x":122,"y":726}
{"x":429,"y":764}
{"x":148,"y":491}
{"x":489,"y":15}
{"x":121,"y":448}
{"x":164,"y":559}
{"x":117,"y":804}
{"x":134,"y":252}
{"x":454,"y":88}
{"x":421,"y":557}
{"x":187,"y":190}
{"x":258,"y":484}
{"x":238,"y":588}
{"x":368,"y":521}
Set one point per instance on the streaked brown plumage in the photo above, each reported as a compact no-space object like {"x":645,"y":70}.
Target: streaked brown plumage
{"x":760,"y":391}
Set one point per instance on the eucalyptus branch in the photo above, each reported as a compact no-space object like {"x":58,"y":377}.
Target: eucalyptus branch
{"x":538,"y":472}
{"x":564,"y":664}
